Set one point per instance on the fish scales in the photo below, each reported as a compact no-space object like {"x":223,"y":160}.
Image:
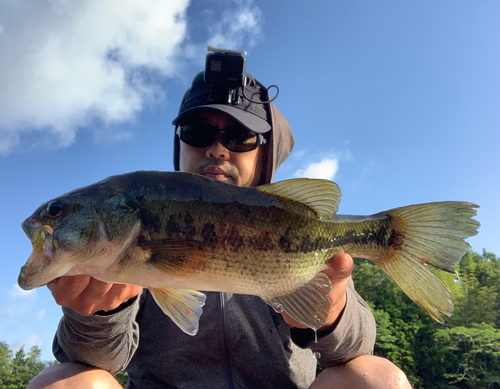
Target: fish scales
{"x":177,"y":233}
{"x":240,"y":241}
{"x":254,"y":244}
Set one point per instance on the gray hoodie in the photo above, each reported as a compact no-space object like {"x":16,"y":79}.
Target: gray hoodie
{"x":241,"y":343}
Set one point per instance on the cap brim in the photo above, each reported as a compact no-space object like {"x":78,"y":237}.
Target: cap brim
{"x":249,"y":120}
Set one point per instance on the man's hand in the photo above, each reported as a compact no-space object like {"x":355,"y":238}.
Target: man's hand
{"x":339,"y":270}
{"x":86,"y":295}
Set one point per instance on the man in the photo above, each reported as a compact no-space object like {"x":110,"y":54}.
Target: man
{"x":242,"y":342}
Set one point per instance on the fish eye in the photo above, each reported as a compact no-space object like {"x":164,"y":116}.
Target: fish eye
{"x":54,"y":209}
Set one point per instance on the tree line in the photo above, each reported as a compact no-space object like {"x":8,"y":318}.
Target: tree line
{"x":464,"y":353}
{"x":17,"y":370}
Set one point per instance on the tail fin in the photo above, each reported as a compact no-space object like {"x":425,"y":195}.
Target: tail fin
{"x":431,"y":234}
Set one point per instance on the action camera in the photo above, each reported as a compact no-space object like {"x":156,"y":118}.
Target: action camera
{"x":225,"y":71}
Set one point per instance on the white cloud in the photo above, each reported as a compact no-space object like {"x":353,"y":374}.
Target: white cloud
{"x":16,"y":291}
{"x":324,"y":169}
{"x":40,"y":314}
{"x":66,"y":63}
{"x":237,"y":26}
{"x":230,"y":30}
{"x":17,"y":304}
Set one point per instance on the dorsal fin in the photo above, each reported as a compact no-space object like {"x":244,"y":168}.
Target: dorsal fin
{"x":322,"y":196}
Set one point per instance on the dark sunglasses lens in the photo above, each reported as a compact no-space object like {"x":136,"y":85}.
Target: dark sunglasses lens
{"x":198,"y":135}
{"x":240,"y":139}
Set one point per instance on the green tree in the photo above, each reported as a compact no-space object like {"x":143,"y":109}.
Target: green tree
{"x":122,"y":378}
{"x":461,"y":354}
{"x":19,"y":370}
{"x":399,"y":320}
{"x":473,"y":355}
{"x":16,"y":372}
{"x":477,"y":295}
{"x":5,"y":361}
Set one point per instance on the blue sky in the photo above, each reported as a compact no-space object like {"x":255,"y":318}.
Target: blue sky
{"x":398,"y":102}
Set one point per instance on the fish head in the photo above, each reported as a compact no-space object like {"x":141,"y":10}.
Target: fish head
{"x":60,"y":231}
{"x":72,"y":230}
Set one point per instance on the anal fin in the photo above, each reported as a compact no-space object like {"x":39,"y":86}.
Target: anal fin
{"x":183,"y":306}
{"x":309,"y":304}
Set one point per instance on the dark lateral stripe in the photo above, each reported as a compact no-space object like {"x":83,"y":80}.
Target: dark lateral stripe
{"x":358,"y":233}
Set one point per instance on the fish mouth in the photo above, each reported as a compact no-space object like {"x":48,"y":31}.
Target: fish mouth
{"x":31,"y":274}
{"x":30,"y":226}
{"x":40,"y":266}
{"x":41,"y":235}
{"x":40,"y":269}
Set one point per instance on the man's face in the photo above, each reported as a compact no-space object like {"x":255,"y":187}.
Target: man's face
{"x":216,"y":161}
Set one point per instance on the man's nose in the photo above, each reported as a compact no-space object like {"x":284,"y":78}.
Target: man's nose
{"x":217,"y":149}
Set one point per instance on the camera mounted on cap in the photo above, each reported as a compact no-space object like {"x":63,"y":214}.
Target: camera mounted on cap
{"x":225,"y":71}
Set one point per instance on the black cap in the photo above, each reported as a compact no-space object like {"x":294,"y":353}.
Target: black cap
{"x":251,"y":112}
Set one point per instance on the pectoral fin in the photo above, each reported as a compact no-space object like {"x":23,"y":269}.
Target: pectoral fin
{"x":183,"y":306}
{"x":309,"y":304}
{"x":179,"y":257}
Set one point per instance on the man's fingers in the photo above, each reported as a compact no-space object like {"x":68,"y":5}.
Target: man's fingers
{"x":87,"y":295}
{"x":339,"y":268}
{"x":65,"y":289}
{"x":119,"y":294}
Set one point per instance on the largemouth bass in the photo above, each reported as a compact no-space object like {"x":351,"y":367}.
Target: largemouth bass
{"x":178,"y":233}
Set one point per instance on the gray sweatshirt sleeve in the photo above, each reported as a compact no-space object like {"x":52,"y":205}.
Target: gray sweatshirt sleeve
{"x":354,"y":334}
{"x":107,"y":341}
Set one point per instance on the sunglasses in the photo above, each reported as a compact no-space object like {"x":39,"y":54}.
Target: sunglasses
{"x":235,"y":138}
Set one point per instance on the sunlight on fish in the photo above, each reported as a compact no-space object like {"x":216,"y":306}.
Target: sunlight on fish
{"x":177,"y":233}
